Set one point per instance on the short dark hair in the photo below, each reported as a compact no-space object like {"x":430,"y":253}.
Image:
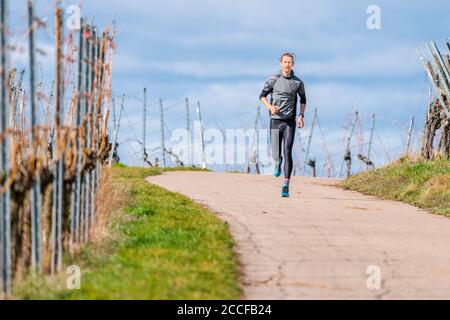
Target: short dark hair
{"x":288,"y":54}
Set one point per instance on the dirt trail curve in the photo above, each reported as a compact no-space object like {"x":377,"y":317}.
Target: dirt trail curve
{"x":320,"y":242}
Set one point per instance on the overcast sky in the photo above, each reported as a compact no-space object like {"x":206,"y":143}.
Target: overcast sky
{"x":221,"y":52}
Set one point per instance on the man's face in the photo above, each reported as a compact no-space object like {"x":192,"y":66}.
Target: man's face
{"x":286,"y":64}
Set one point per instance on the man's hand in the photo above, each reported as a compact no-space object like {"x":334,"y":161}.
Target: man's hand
{"x":273,"y":110}
{"x":301,"y":123}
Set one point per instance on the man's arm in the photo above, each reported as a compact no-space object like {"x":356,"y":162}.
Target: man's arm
{"x":266,"y":103}
{"x":302,"y":108}
{"x":302,"y":94}
{"x":268,"y":88}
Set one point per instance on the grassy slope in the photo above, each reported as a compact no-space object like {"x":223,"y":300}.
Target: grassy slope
{"x":423,"y":184}
{"x":161,"y":246}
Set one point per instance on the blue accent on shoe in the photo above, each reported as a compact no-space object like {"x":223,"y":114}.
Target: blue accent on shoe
{"x":277,"y":168}
{"x":285,"y":191}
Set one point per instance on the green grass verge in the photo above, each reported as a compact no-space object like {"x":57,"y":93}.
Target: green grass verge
{"x":425,"y":184}
{"x":161,"y":246}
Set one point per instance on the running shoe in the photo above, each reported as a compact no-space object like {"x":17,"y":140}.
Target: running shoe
{"x":285,"y":191}
{"x":277,"y":168}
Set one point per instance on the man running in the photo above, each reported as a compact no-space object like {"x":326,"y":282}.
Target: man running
{"x":284,"y":88}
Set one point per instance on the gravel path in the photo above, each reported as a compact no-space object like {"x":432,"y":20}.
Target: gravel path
{"x":320,"y":242}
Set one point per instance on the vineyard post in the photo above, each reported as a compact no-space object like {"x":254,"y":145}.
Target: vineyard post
{"x":5,"y":221}
{"x":144,"y":126}
{"x":76,"y":189}
{"x":163,"y":147}
{"x":56,"y":261}
{"x":347,"y":147}
{"x":408,"y":140}
{"x":369,"y":152}
{"x":116,"y":132}
{"x":199,"y":115}
{"x":87,"y":115}
{"x":188,"y":158}
{"x":36,"y":183}
{"x":308,"y":146}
